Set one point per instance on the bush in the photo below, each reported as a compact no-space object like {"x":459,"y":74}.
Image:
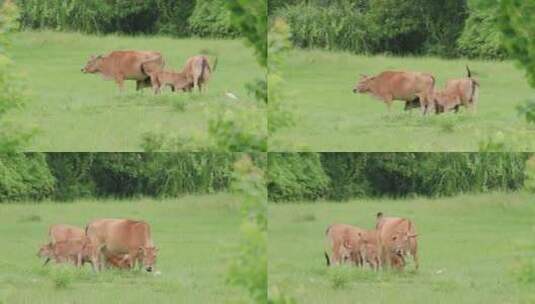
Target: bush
{"x":342,"y":176}
{"x":209,"y":19}
{"x":11,"y":87}
{"x":296,"y":176}
{"x":481,"y":37}
{"x":377,"y":26}
{"x":173,"y":17}
{"x":24,"y":177}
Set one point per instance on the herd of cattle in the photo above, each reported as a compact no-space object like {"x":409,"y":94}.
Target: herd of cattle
{"x":119,"y":243}
{"x":388,"y":245}
{"x":147,"y":69}
{"x":418,"y":90}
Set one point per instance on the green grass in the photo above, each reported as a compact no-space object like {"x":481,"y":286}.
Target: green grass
{"x":330,"y":117}
{"x":72,"y":111}
{"x":472,"y":249}
{"x":197,"y":237}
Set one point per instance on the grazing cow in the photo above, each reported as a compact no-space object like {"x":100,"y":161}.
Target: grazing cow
{"x":392,"y":85}
{"x":198,"y":70}
{"x":463,"y":91}
{"x":177,"y":81}
{"x":75,"y":251}
{"x":59,"y":233}
{"x":46,"y":251}
{"x":397,"y":239}
{"x":126,"y":65}
{"x":122,"y":237}
{"x":342,"y":239}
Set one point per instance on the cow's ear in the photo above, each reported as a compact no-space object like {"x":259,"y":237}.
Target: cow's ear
{"x":362,"y":76}
{"x":92,"y":56}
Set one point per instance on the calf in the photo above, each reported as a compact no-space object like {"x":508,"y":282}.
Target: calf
{"x":176,"y":80}
{"x":342,"y":239}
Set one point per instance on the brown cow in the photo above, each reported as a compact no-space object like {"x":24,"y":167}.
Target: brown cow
{"x":397,"y":237}
{"x":198,"y":70}
{"x":344,"y":241}
{"x":394,"y":85}
{"x":126,"y":65}
{"x":176,"y":80}
{"x":122,"y":237}
{"x":74,"y":251}
{"x":463,"y":91}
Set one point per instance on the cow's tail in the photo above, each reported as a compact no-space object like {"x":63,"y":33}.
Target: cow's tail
{"x":469,"y":73}
{"x":328,"y":243}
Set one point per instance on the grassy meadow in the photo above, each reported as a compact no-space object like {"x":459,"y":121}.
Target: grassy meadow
{"x":330,"y":117}
{"x":471,"y":248}
{"x":197,"y":237}
{"x":71,"y":111}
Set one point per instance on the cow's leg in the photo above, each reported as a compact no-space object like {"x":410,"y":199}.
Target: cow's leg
{"x":119,"y":79}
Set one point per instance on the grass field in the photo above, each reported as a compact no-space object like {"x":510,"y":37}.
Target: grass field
{"x":72,"y":111}
{"x":330,"y":117}
{"x":197,"y":237}
{"x":469,"y":248}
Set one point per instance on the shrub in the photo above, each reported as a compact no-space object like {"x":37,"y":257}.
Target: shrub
{"x":481,"y":37}
{"x":24,"y":177}
{"x":173,"y":17}
{"x":377,"y":26}
{"x":296,"y":176}
{"x":209,"y":19}
{"x":341,"y":176}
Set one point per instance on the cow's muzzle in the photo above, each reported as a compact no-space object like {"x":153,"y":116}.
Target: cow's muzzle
{"x":149,"y":269}
{"x":355,"y":91}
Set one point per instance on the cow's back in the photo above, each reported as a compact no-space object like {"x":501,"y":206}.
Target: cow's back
{"x":63,"y":232}
{"x":118,"y":235}
{"x":133,"y":64}
{"x":404,"y":85}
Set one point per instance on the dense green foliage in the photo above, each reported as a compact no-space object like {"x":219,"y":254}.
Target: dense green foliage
{"x":178,"y":18}
{"x":11,"y":87}
{"x":518,"y":27}
{"x":67,"y":176}
{"x":25,"y":177}
{"x":341,"y":176}
{"x":296,"y":176}
{"x":391,"y":26}
{"x":481,"y":36}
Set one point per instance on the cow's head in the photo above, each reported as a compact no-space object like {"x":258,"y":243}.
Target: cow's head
{"x":148,"y":257}
{"x":363,"y":84}
{"x":92,"y":65}
{"x":46,"y":251}
{"x":401,"y":243}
